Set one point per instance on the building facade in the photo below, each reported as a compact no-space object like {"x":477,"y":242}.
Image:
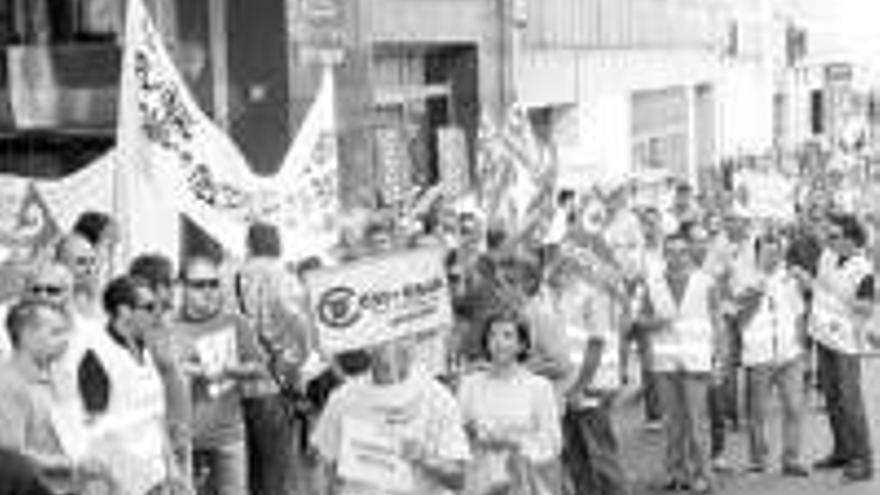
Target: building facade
{"x":636,"y":85}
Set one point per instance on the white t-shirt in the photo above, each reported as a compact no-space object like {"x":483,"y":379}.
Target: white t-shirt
{"x":363,"y":426}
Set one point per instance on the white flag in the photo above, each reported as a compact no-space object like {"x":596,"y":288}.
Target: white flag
{"x":170,"y":153}
{"x":174,"y":159}
{"x":309,"y":179}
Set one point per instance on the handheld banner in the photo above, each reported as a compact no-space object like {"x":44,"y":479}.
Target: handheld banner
{"x":376,"y":300}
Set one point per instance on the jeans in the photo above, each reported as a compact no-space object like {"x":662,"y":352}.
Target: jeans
{"x":684,"y":396}
{"x":271,"y":441}
{"x":841,"y":383}
{"x":789,"y":378}
{"x":653,"y":409}
{"x":590,"y":453}
{"x":227,"y":468}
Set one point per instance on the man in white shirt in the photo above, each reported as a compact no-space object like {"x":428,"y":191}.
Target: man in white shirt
{"x":407,"y":423}
{"x":773,"y":354}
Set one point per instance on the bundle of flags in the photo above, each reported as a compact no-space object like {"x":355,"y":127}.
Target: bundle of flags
{"x":516,"y":176}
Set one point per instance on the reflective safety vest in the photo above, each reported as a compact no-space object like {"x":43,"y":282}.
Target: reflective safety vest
{"x":832,"y":322}
{"x":590,"y":312}
{"x":686,"y":344}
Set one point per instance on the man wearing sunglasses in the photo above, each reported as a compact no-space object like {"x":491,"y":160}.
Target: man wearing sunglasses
{"x":158,"y":271}
{"x":128,"y":416}
{"x":219,"y":353}
{"x":49,"y":283}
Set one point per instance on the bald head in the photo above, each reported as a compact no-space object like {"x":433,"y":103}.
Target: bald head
{"x":78,"y":255}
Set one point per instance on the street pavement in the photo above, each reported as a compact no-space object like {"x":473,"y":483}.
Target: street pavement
{"x":642,"y":451}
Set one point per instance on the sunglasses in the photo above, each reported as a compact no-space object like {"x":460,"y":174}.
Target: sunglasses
{"x":150,"y":307}
{"x":203,"y":284}
{"x":85,"y":261}
{"x":48,"y":290}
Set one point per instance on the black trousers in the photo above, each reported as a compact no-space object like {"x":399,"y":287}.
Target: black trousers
{"x":590,"y":452}
{"x":841,"y":384}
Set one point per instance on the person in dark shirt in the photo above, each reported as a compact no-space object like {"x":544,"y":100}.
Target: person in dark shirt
{"x":19,"y":476}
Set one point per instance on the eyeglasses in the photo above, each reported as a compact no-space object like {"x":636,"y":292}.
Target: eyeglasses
{"x":48,"y":290}
{"x":85,"y":261}
{"x":203,"y":284}
{"x":150,"y":307}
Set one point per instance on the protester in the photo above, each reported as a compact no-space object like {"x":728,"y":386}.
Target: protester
{"x":219,"y":352}
{"x":129,"y":427}
{"x":683,"y":210}
{"x":21,"y":476}
{"x":843,"y":294}
{"x":681,"y":303}
{"x":397,"y":406}
{"x":510,"y":417}
{"x":79,"y":256}
{"x":158,"y":271}
{"x":549,"y":348}
{"x":592,"y":323}
{"x":264,"y":293}
{"x":651,"y":262}
{"x":39,"y":332}
{"x":773,"y":354}
{"x":102,"y":232}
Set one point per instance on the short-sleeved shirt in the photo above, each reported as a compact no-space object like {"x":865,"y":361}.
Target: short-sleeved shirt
{"x":420,"y":408}
{"x":26,"y":416}
{"x":216,"y":414}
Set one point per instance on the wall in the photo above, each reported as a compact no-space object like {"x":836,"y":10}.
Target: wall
{"x":593,"y":54}
{"x":601,"y":84}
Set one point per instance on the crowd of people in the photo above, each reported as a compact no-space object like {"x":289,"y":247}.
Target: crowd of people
{"x":209,"y":378}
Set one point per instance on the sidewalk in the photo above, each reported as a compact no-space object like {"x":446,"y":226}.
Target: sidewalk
{"x":642,"y":450}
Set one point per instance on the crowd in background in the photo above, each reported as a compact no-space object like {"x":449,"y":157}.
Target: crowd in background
{"x":207,"y":378}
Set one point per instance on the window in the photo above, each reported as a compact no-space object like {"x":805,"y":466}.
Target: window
{"x":60,"y":21}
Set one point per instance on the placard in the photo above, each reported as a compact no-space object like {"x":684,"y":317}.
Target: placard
{"x":453,"y":160}
{"x":761,"y":195}
{"x":370,"y":454}
{"x":376,"y":300}
{"x":394,"y":165}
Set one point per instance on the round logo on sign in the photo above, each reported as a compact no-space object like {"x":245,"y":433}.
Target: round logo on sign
{"x":338,"y":307}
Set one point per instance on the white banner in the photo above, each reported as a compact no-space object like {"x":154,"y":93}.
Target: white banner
{"x":379,"y":299}
{"x":89,"y":189}
{"x":175,"y":155}
{"x":765,"y":195}
{"x":308,"y":187}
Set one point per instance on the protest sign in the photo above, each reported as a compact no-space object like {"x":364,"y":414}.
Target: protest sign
{"x":370,"y":454}
{"x":394,"y":163}
{"x":379,"y":299}
{"x":765,"y":195}
{"x":453,"y":160}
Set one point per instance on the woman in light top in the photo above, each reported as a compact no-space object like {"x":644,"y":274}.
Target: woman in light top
{"x":510,"y":415}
